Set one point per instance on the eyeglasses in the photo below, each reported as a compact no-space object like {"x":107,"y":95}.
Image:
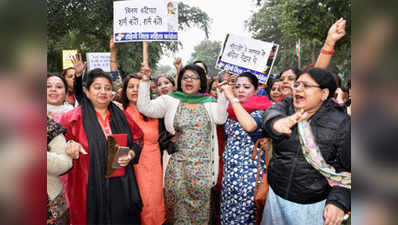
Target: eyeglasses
{"x":297,"y":85}
{"x":186,"y":78}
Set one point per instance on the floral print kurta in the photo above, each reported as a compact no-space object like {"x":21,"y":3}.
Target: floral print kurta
{"x":239,"y":176}
{"x":188,"y":175}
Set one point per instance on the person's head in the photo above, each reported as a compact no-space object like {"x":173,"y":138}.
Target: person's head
{"x":213,"y":88}
{"x":221,"y":76}
{"x":274,"y":89}
{"x":98,"y":88}
{"x":192,"y":79}
{"x":69,"y":75}
{"x":154,"y":86}
{"x":202,"y":65}
{"x":288,"y":77}
{"x":245,"y":86}
{"x":130,"y":90}
{"x":165,"y":84}
{"x":312,"y":88}
{"x":56,"y":89}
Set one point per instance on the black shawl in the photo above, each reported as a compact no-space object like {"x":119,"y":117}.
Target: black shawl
{"x":98,"y":195}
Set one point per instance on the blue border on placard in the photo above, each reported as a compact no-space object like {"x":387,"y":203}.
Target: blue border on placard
{"x":234,"y":69}
{"x":146,"y":36}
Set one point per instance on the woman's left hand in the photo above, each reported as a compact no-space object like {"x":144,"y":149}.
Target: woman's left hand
{"x":124,"y":160}
{"x":333,"y":215}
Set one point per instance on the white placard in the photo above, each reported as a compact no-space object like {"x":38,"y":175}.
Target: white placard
{"x":241,"y":54}
{"x":149,"y":20}
{"x":99,"y":60}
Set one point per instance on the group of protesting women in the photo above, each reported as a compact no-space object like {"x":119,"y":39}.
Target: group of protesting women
{"x":190,"y":142}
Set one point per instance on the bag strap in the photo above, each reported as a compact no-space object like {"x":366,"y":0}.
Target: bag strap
{"x":263,"y":148}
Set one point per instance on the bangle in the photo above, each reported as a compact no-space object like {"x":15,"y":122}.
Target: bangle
{"x":326,"y":52}
{"x":235,"y":100}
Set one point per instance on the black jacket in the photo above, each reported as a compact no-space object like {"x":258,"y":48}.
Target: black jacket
{"x":290,"y":176}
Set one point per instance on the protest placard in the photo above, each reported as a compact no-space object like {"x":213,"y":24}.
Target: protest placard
{"x":67,"y":58}
{"x":149,"y":20}
{"x":241,"y":54}
{"x":99,"y":60}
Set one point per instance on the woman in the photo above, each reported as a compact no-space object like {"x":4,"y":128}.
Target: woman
{"x":56,"y":94}
{"x":165,"y":84}
{"x":94,"y":198}
{"x":288,"y":77}
{"x":310,"y":154}
{"x":148,"y":170}
{"x":58,"y":162}
{"x":274,"y":90}
{"x":213,"y":88}
{"x":69,"y":75}
{"x":242,"y":130}
{"x":193,"y":169}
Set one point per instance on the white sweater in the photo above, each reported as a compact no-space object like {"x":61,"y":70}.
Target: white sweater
{"x":58,"y":162}
{"x":166,"y":107}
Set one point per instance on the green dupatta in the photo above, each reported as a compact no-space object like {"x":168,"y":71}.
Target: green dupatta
{"x":193,"y":99}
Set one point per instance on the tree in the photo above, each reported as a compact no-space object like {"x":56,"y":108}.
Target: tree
{"x":207,"y":51}
{"x":164,"y":69}
{"x":286,"y":21}
{"x":87,"y":25}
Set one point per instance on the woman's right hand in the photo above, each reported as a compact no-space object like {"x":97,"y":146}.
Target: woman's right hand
{"x":336,"y":31}
{"x":283,"y":125}
{"x":78,"y":64}
{"x":228,"y":92}
{"x":112,"y":44}
{"x":73,"y":149}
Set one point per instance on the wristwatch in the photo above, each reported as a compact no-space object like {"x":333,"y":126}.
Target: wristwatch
{"x":235,"y":100}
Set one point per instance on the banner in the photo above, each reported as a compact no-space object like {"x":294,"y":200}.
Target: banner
{"x":67,"y":58}
{"x":241,"y":54}
{"x":99,"y":60}
{"x":149,"y":20}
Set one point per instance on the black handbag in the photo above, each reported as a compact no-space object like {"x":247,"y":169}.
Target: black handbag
{"x":165,"y":139}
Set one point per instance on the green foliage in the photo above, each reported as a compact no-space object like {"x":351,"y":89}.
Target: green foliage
{"x":286,"y":21}
{"x":87,"y":25}
{"x":207,"y":51}
{"x":164,"y":70}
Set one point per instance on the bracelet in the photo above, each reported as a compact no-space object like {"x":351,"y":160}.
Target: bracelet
{"x":326,"y":52}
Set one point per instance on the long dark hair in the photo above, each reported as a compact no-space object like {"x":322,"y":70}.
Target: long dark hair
{"x":125,"y":100}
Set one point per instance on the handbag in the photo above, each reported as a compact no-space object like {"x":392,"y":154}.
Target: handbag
{"x":261,"y":189}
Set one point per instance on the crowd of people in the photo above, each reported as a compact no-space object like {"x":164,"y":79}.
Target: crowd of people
{"x":190,"y":141}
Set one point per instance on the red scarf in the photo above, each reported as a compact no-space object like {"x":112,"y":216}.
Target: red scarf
{"x":256,"y":102}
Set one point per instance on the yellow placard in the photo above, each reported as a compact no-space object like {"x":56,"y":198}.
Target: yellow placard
{"x":67,"y":57}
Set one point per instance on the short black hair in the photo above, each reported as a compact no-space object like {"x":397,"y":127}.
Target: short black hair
{"x":199,"y":71}
{"x":60,"y":77}
{"x":166,"y":76}
{"x":271,"y":81}
{"x":204,"y":64}
{"x":95,"y":73}
{"x":294,"y":69}
{"x":252,"y":78}
{"x":324,"y":78}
